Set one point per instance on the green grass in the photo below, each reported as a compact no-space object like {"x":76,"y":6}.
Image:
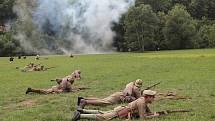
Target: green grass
{"x":188,"y":72}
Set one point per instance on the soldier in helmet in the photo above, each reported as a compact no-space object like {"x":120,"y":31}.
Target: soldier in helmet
{"x":130,"y":93}
{"x":11,"y":58}
{"x":76,"y":74}
{"x":37,"y":57}
{"x":136,"y":108}
{"x":64,"y":86}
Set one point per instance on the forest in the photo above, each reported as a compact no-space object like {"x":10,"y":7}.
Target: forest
{"x":149,"y":25}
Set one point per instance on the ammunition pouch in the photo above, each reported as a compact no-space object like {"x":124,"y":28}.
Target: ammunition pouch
{"x":122,"y":114}
{"x":128,"y":99}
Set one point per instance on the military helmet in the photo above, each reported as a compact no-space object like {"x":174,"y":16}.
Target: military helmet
{"x":138,"y":83}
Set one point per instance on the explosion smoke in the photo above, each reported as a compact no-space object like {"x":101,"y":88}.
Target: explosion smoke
{"x":69,"y":26}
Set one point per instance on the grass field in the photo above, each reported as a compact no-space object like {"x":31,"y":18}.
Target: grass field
{"x":187,"y":72}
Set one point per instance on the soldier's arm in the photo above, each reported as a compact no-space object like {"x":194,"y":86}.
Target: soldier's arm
{"x":141,"y":109}
{"x":137,"y":92}
{"x":58,"y":81}
{"x":152,"y":115}
{"x":128,"y":89}
{"x":148,"y":111}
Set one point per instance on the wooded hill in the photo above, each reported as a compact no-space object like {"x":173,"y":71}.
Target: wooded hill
{"x":149,"y":25}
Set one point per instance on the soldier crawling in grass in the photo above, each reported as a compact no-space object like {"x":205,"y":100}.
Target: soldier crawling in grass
{"x":64,"y":85}
{"x":130,"y":93}
{"x":76,"y":76}
{"x":137,"y":108}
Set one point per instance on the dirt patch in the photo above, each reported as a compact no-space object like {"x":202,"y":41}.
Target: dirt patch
{"x":27,"y":103}
{"x":20,"y":105}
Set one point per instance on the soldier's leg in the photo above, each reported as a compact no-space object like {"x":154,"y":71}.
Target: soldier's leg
{"x":112,"y":99}
{"x":84,"y":102}
{"x":106,"y":116}
{"x":39,"y":91}
{"x":86,"y":111}
{"x":55,"y":89}
{"x":88,"y":116}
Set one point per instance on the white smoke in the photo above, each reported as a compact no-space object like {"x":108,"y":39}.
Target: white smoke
{"x":85,"y":25}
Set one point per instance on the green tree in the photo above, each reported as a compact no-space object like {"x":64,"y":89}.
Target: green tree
{"x":157,"y":5}
{"x":119,"y":42}
{"x":8,"y":45}
{"x":180,"y":30}
{"x":6,"y":10}
{"x":207,"y":33}
{"x":140,"y":25}
{"x":202,"y":8}
{"x":160,"y":41}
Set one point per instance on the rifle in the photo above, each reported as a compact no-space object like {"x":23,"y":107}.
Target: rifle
{"x":173,"y":111}
{"x":149,"y":87}
{"x":57,"y":80}
{"x":83,"y":88}
{"x":49,"y":68}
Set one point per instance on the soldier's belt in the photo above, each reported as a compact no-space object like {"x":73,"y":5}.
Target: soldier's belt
{"x":122,"y":114}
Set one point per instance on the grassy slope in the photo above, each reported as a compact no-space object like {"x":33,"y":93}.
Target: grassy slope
{"x":188,"y":72}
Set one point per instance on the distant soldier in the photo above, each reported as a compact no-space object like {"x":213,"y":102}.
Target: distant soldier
{"x":64,"y":86}
{"x":19,"y":57}
{"x":30,"y":65}
{"x":76,"y":74}
{"x":130,"y":93}
{"x":71,"y":56}
{"x":37,"y":57}
{"x":11,"y":59}
{"x":138,"y":108}
{"x":34,"y":68}
{"x":39,"y":68}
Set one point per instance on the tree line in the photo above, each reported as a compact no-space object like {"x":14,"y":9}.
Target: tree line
{"x":148,"y":25}
{"x":167,"y":24}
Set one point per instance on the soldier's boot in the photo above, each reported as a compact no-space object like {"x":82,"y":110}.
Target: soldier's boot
{"x":81,"y":102}
{"x":76,"y":116}
{"x":28,"y":90}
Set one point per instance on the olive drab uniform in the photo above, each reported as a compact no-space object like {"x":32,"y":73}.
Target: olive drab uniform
{"x":129,"y":94}
{"x":137,"y":107}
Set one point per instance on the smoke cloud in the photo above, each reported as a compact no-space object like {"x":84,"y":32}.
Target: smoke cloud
{"x":69,"y":26}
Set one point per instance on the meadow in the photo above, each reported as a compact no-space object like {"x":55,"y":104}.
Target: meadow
{"x":187,"y":72}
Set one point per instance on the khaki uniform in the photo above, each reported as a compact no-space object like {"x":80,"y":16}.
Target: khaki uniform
{"x":76,"y":74}
{"x":112,"y":99}
{"x":129,"y":94}
{"x":138,"y":107}
{"x":64,"y":86}
{"x":132,"y":90}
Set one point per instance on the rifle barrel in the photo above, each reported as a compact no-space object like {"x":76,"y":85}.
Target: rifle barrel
{"x":179,"y":110}
{"x":149,"y":87}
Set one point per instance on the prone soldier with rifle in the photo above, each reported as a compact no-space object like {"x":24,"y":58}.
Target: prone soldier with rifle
{"x":130,"y":93}
{"x":138,"y":108}
{"x":76,"y":76}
